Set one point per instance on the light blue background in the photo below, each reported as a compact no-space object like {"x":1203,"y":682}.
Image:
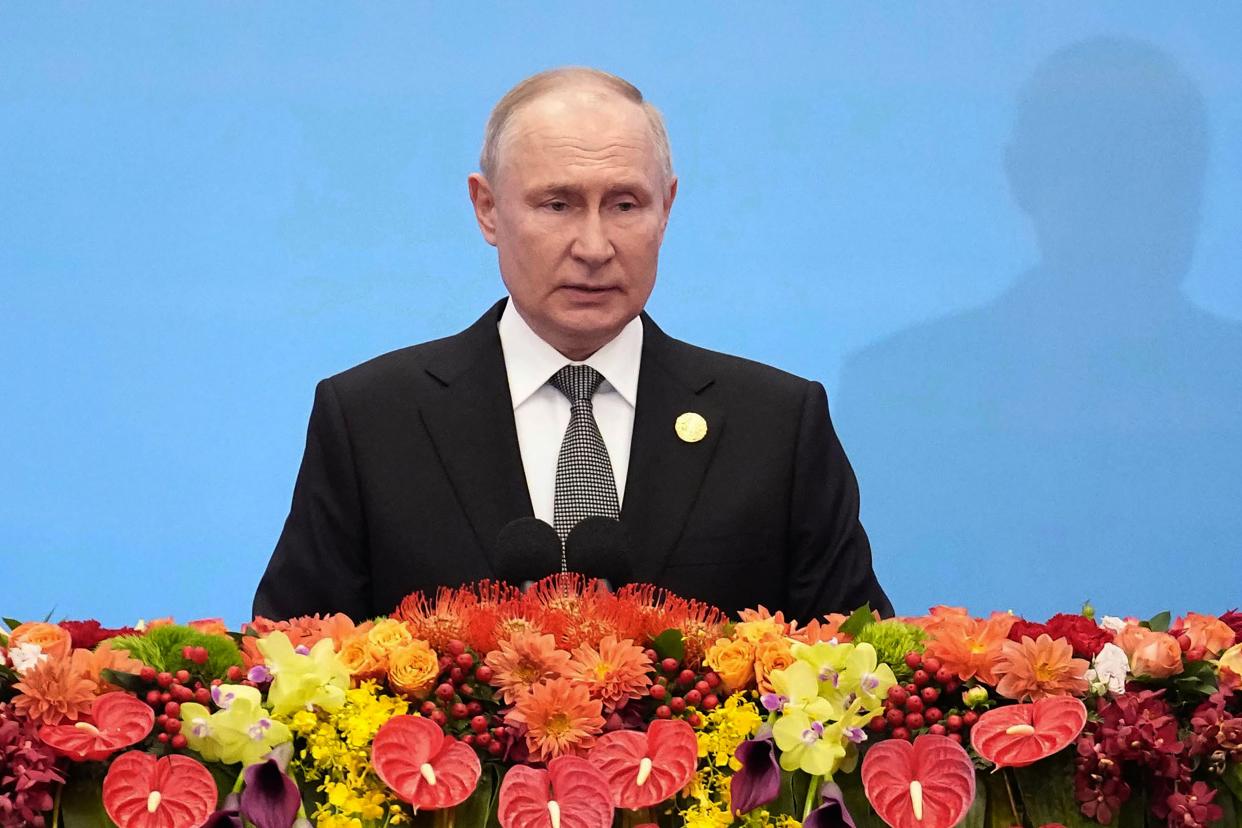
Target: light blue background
{"x":205,"y":208}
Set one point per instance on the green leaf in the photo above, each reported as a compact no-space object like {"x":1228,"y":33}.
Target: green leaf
{"x":81,"y":802}
{"x":11,"y":623}
{"x":126,"y":681}
{"x":1047,"y":792}
{"x":858,"y":620}
{"x":477,"y":809}
{"x":1233,"y":780}
{"x":856,"y":800}
{"x":670,"y":644}
{"x":1159,"y":622}
{"x":976,"y":817}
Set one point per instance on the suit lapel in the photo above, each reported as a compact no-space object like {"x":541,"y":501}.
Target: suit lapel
{"x":665,"y":472}
{"x":471,"y":424}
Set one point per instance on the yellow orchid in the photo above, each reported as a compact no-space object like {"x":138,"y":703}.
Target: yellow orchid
{"x":847,"y":672}
{"x":240,"y":731}
{"x":809,"y":745}
{"x":303,"y":679}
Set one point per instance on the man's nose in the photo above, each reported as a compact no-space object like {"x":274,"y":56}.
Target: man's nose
{"x":591,"y":245}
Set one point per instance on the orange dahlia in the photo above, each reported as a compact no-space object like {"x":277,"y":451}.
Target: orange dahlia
{"x":969,"y":647}
{"x":58,"y":689}
{"x":560,"y":718}
{"x":523,"y":661}
{"x":617,"y":670}
{"x":1035,"y":669}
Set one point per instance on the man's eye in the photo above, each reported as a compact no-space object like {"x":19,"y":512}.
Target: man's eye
{"x":557,"y":206}
{"x":626,"y":206}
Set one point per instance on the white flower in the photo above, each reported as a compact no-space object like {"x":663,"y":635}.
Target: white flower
{"x":1110,"y":670}
{"x":25,"y":656}
{"x":1113,"y":624}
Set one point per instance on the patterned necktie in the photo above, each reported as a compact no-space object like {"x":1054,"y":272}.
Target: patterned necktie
{"x":585,"y":486}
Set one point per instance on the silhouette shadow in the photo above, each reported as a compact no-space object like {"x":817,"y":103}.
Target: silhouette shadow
{"x":1084,"y":430}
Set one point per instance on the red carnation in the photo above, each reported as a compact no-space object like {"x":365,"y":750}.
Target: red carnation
{"x":1083,"y":634}
{"x":1029,"y":629}
{"x":86,"y":635}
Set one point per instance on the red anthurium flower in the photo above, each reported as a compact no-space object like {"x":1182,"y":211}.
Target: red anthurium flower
{"x":1021,"y":734}
{"x":571,"y":793}
{"x":141,"y":791}
{"x":646,"y":768}
{"x":117,"y":720}
{"x":423,"y":766}
{"x":928,"y":784}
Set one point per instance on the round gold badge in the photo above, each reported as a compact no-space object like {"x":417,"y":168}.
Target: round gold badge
{"x":691,"y":427}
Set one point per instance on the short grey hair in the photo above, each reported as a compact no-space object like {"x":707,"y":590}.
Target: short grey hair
{"x":553,"y":79}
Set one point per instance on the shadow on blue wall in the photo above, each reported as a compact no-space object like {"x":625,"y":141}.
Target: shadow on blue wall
{"x":1088,"y":422}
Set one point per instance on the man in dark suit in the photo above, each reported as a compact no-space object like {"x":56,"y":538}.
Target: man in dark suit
{"x":566,"y":401}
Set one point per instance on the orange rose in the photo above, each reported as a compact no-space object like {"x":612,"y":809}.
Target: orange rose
{"x":388,"y":635}
{"x":51,"y":639}
{"x":413,"y":669}
{"x":209,"y":626}
{"x":1153,"y":654}
{"x":360,"y":660}
{"x":772,"y":654}
{"x":1207,"y":633}
{"x":733,"y":660}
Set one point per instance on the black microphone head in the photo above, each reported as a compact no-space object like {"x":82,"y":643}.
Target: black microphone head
{"x":599,"y":547}
{"x":527,"y":549}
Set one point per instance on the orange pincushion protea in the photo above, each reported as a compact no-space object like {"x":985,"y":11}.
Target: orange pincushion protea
{"x":616,"y":670}
{"x":561,"y":718}
{"x":523,"y":661}
{"x":1036,"y":669}
{"x":438,"y":621}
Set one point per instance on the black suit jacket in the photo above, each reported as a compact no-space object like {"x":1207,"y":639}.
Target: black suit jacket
{"x":412,"y":467}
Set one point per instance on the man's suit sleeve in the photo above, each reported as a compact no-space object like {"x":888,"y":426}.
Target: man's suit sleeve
{"x":320,"y":564}
{"x":830,"y":556}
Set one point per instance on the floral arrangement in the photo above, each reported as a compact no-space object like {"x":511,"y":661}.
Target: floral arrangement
{"x":570,"y":705}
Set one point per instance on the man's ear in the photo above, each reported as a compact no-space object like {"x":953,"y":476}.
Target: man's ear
{"x":668,"y":202}
{"x":484,"y":201}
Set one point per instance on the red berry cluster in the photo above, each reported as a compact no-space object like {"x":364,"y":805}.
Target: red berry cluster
{"x":926,"y":704}
{"x":168,"y":691}
{"x":679,"y":691}
{"x":197,"y":655}
{"x":462,"y":701}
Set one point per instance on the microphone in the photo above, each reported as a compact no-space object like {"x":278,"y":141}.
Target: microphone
{"x":599,"y":547}
{"x":527,"y":550}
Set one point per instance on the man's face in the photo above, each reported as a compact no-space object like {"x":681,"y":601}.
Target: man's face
{"x":577,"y":211}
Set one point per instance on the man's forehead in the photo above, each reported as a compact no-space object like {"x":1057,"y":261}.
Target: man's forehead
{"x":590,"y":118}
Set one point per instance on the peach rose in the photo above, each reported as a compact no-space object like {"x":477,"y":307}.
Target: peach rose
{"x":413,"y":669}
{"x":1154,"y":654}
{"x":733,"y":660}
{"x":388,"y":635}
{"x":1207,"y":633}
{"x":51,"y":639}
{"x":361,"y":660}
{"x":209,"y":626}
{"x":1231,"y":660}
{"x":770,"y":655}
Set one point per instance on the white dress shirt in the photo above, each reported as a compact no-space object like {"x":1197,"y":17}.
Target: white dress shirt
{"x":541,"y":413}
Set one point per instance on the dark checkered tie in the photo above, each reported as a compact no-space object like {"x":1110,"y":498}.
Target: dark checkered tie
{"x":585,"y":486}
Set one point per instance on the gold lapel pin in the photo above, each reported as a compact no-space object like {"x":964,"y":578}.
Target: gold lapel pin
{"x":691,"y":427}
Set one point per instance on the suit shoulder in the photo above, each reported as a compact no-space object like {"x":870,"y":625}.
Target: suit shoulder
{"x":743,"y":375}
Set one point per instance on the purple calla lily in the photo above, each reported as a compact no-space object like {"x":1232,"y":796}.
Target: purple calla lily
{"x":832,"y":813}
{"x":270,"y":799}
{"x":229,"y":815}
{"x":758,"y":782}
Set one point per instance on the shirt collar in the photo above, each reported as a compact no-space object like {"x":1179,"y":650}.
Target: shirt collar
{"x":530,"y":362}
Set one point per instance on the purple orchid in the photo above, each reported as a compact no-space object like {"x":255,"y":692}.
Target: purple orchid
{"x":758,"y":782}
{"x":270,"y":798}
{"x":832,"y":812}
